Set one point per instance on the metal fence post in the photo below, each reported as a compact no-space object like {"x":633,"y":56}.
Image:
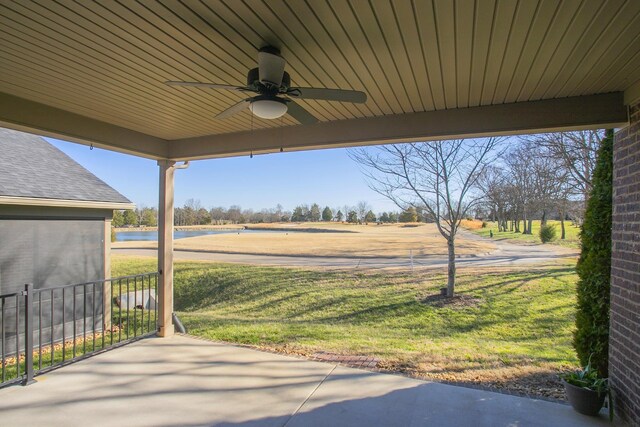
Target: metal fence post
{"x":28,"y":334}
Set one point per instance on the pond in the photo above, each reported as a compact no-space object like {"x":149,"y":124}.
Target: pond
{"x":152,"y":235}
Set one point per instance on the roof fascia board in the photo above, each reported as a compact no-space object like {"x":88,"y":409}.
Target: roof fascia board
{"x":28,"y":116}
{"x":60,"y":203}
{"x":573,"y":113}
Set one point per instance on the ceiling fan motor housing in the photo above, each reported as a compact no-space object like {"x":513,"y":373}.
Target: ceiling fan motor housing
{"x":253,"y":80}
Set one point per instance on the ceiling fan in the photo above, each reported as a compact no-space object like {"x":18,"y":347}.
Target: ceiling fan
{"x":275,"y":95}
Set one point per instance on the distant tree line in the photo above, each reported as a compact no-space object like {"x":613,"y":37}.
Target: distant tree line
{"x":361,"y":213}
{"x":192,"y":213}
{"x":140,"y":217}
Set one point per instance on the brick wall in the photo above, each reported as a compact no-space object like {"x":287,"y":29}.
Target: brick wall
{"x":624,"y":344}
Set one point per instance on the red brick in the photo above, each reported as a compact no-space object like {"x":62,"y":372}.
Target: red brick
{"x":624,"y":342}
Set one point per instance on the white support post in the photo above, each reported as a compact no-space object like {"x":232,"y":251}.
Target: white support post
{"x":106,"y":286}
{"x":165,"y":249}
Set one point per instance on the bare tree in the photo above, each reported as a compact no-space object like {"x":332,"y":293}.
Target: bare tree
{"x":494,"y":182}
{"x":362,"y":208}
{"x":438,"y":176}
{"x":531,"y":183}
{"x":576,"y":152}
{"x":519,"y":162}
{"x":549,"y":181}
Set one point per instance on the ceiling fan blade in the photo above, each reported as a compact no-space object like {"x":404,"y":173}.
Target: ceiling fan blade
{"x":300,"y":114}
{"x":328,"y":94}
{"x":208,"y":85}
{"x":236,"y":108}
{"x":271,"y":67}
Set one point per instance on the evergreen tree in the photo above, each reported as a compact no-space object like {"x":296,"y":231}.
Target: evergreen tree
{"x":352,"y":217}
{"x":130,"y":217}
{"x":591,"y":338}
{"x":149,"y":217}
{"x":298,"y":214}
{"x":339,"y":216}
{"x":409,"y":215}
{"x":384,"y":217}
{"x":118,"y":219}
{"x":370,"y":217}
{"x":327,"y":215}
{"x":314,"y":213}
{"x":203,"y":217}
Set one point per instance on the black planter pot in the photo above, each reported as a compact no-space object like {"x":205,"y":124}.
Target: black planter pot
{"x":584,"y":401}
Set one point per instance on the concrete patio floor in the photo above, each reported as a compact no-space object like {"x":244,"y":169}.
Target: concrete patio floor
{"x":183,"y":381}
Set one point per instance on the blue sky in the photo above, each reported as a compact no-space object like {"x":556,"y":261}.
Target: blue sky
{"x":326,"y":177}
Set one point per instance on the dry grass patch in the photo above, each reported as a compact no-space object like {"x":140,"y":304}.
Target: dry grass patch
{"x":471,"y":224}
{"x":364,"y":241}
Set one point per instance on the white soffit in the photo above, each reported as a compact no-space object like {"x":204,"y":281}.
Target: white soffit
{"x":106,"y":61}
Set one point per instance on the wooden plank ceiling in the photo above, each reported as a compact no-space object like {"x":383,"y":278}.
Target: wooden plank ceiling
{"x":107,"y":59}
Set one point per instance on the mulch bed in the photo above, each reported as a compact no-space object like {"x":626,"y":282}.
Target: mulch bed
{"x":538,"y":384}
{"x":352,"y":361}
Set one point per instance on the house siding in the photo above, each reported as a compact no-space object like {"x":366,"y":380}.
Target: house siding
{"x":51,"y":247}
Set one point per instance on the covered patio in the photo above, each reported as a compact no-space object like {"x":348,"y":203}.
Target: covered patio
{"x":94,"y":73}
{"x":190,"y":382}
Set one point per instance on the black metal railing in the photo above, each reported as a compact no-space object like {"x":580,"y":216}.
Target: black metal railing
{"x":41,"y":329}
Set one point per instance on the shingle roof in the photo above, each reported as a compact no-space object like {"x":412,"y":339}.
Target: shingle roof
{"x":31,"y":167}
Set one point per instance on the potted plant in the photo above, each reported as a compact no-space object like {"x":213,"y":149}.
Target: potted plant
{"x":586,"y":391}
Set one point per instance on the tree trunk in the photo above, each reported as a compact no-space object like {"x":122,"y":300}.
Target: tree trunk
{"x":529,"y":226}
{"x":524,"y":223}
{"x":543,"y":221}
{"x":563,"y":233}
{"x":451,"y":272}
{"x":517,"y":230}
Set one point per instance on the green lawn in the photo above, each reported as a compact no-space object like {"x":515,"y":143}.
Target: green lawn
{"x":518,"y":326}
{"x":572,"y":239}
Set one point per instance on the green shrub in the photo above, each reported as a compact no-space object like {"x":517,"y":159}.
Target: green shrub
{"x":591,"y":338}
{"x":113,"y":234}
{"x":547,"y":233}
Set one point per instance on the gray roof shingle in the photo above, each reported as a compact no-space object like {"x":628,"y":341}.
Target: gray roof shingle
{"x":31,"y":167}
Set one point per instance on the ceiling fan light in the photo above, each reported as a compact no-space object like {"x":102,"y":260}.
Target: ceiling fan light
{"x":268,"y":108}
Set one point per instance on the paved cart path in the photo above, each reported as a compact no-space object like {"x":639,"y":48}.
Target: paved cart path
{"x":506,"y":254}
